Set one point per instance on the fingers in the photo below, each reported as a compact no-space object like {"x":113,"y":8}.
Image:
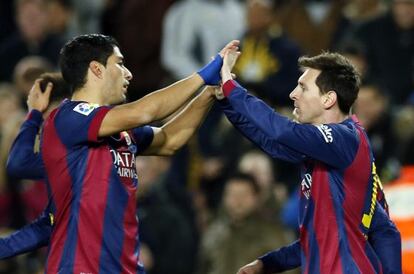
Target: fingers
{"x":48,"y":89}
{"x":230,"y":58}
{"x":218,"y":93}
{"x":36,"y":87}
{"x":232,"y":45}
{"x":37,"y":99}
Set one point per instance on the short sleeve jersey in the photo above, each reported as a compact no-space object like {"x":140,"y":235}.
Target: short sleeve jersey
{"x":93,"y":183}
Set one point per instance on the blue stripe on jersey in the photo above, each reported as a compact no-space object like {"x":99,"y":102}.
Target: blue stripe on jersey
{"x":314,"y":258}
{"x":141,"y":269}
{"x":51,"y":202}
{"x":75,"y":171}
{"x":112,"y":218}
{"x":373,"y":257}
{"x":348,"y":264}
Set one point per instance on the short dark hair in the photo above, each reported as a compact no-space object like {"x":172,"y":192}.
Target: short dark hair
{"x":77,"y":54}
{"x":61,"y":89}
{"x":247,"y":178}
{"x":337,"y":74}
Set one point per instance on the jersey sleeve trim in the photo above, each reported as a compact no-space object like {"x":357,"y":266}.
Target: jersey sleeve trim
{"x":96,"y":124}
{"x":35,"y":116}
{"x":228,"y":87}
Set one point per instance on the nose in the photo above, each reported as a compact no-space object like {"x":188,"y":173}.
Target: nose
{"x":128,"y":75}
{"x":293,"y":94}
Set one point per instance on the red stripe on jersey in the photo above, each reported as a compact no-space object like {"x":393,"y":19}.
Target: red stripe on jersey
{"x":325,"y":223}
{"x":356,"y":182}
{"x":129,"y":257}
{"x":93,"y":131}
{"x":61,"y":190}
{"x":92,"y":206}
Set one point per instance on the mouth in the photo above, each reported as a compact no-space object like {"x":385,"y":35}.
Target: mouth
{"x":296,"y":111}
{"x":125,"y":86}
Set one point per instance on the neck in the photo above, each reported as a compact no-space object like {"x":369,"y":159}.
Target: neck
{"x":332,"y":118}
{"x":88,"y":94}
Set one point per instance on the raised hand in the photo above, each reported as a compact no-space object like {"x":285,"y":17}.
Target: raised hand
{"x":230,"y":58}
{"x":37,"y":99}
{"x":232,"y":45}
{"x":211,"y":72}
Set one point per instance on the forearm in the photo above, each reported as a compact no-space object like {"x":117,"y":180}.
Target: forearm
{"x":257,"y":136}
{"x":166,"y":101}
{"x":307,"y":139}
{"x":155,"y":106}
{"x":282,"y":259}
{"x":29,"y":238}
{"x":385,"y":239}
{"x":256,"y":111}
{"x":23,"y":162}
{"x":180,"y":129}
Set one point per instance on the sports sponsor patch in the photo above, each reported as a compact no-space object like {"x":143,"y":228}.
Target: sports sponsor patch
{"x":326,"y":133}
{"x":84,"y":108}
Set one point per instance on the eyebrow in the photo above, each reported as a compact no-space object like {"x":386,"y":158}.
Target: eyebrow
{"x":302,"y":84}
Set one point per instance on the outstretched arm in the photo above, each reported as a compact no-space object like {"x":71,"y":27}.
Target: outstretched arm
{"x":258,"y":137}
{"x":249,"y":129}
{"x":323,"y":142}
{"x":161,"y":103}
{"x":29,"y":238}
{"x":174,"y":134}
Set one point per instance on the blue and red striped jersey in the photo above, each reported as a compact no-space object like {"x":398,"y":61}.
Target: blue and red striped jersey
{"x":339,"y":184}
{"x":92,"y":183}
{"x":23,"y":162}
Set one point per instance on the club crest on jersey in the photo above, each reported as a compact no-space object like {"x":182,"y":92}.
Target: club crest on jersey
{"x":326,"y":133}
{"x":84,"y":108}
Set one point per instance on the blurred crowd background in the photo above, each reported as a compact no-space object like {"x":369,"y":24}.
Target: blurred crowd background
{"x":219,"y":203}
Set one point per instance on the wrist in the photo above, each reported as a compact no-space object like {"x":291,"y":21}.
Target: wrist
{"x":228,"y":87}
{"x":35,"y":115}
{"x":226,"y":75}
{"x":210,"y":73}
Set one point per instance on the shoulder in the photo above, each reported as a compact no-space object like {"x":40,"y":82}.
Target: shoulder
{"x":341,"y":135}
{"x":77,"y":108}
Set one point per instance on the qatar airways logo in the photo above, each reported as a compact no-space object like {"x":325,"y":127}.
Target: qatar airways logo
{"x":124,"y":162}
{"x":306,"y":185}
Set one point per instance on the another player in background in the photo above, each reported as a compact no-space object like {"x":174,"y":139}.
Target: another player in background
{"x":24,"y":161}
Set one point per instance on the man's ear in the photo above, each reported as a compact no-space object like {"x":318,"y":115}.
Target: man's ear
{"x":96,"y":68}
{"x":329,"y":99}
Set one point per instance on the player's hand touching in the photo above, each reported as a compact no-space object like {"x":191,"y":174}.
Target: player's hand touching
{"x":218,"y":93}
{"x":210,"y":73}
{"x":37,"y":99}
{"x":255,"y":267}
{"x":229,"y":60}
{"x":231,"y":46}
